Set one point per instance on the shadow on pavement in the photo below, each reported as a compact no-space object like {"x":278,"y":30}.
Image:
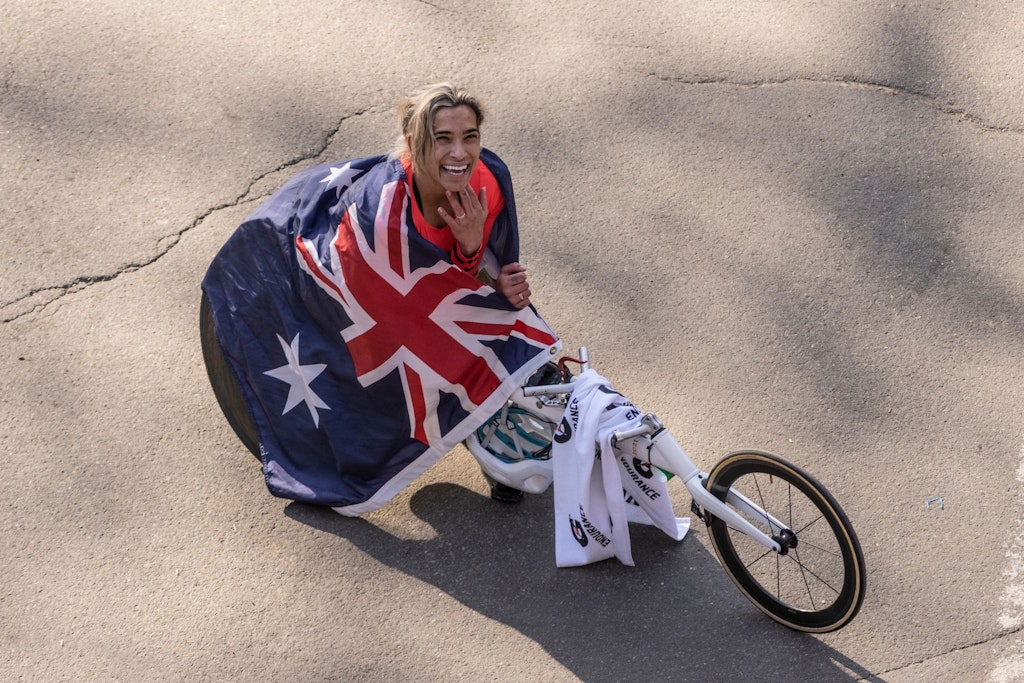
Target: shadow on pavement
{"x":675,"y":616}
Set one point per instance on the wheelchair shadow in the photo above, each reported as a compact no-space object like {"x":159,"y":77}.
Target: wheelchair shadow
{"x":675,"y":616}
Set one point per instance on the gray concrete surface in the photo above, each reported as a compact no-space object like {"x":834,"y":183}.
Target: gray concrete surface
{"x":784,"y":225}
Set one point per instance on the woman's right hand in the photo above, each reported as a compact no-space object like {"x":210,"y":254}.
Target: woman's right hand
{"x":513,"y":286}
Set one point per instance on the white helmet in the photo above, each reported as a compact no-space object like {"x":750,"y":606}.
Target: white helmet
{"x":514,"y":446}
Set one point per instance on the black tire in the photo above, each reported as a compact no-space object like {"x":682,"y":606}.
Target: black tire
{"x":225,"y":387}
{"x":818,"y":584}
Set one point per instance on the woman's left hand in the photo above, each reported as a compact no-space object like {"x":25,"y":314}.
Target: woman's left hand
{"x":467,"y":225}
{"x":513,"y":285}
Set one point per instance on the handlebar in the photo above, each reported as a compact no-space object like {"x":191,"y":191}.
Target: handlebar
{"x":649,"y":424}
{"x":549,"y":389}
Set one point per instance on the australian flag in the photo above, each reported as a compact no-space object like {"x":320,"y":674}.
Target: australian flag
{"x":363,"y":353}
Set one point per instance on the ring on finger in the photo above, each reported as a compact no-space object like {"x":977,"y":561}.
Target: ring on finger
{"x":459,"y":218}
{"x":520,"y":296}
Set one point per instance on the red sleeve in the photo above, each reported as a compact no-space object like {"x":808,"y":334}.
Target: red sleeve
{"x":470,"y":264}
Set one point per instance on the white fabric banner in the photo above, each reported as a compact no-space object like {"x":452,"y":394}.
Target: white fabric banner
{"x":598,"y":489}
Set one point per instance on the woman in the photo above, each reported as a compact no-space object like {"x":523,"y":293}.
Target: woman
{"x":457,"y":196}
{"x":353,"y":312}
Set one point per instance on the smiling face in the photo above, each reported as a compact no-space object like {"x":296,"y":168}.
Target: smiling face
{"x":448,"y":163}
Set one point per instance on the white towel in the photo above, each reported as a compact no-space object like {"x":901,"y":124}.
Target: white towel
{"x":598,"y":491}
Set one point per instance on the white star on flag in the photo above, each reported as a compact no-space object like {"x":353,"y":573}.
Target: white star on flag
{"x":340,"y":178}
{"x":299,"y":378}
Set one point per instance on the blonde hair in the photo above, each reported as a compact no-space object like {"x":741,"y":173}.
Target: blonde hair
{"x":416,"y":115}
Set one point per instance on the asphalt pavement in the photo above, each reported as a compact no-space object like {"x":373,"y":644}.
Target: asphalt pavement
{"x":792,"y":226}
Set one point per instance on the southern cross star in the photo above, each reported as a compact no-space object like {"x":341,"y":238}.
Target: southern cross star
{"x":339,"y":179}
{"x":299,"y":377}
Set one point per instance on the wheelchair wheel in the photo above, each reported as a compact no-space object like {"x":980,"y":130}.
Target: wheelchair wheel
{"x":817,"y":583}
{"x":225,"y":388}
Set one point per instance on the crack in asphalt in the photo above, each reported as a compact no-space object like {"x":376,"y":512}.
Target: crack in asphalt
{"x":953,"y":650}
{"x":439,"y":8}
{"x":849,"y":82}
{"x":51,"y":293}
{"x":20,"y":306}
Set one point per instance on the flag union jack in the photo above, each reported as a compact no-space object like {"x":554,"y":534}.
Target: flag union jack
{"x":427,"y":324}
{"x":403,"y":354}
